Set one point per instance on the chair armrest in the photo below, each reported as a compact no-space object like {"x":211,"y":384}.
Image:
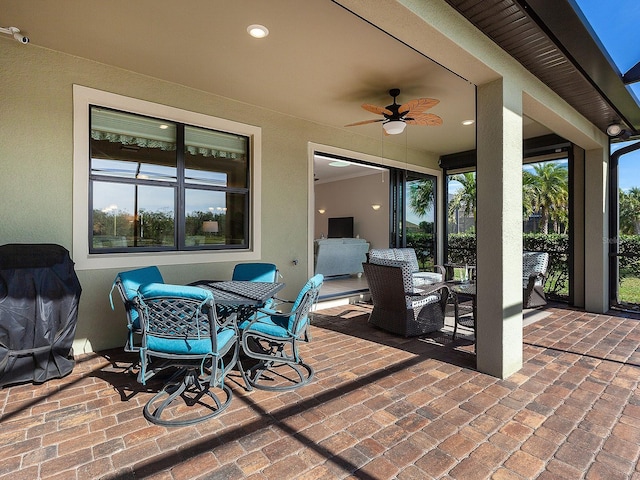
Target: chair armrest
{"x":435,"y":289}
{"x":430,"y":289}
{"x":230,"y":321}
{"x":441,"y":270}
{"x":277,"y":302}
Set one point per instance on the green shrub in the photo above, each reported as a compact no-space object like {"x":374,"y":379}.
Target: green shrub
{"x":462,"y":249}
{"x":423,"y":244}
{"x":629,"y":260}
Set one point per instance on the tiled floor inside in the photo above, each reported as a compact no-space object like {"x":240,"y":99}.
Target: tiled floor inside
{"x":380,"y":407}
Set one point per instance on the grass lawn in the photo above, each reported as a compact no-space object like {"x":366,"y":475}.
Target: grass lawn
{"x":629,"y":290}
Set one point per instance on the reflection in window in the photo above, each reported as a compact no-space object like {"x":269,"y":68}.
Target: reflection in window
{"x":159,"y":185}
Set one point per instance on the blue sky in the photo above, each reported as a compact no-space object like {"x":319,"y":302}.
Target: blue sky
{"x":617,"y":26}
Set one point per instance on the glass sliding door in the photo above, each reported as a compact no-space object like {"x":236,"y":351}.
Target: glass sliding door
{"x":546,"y":207}
{"x":413,"y":214}
{"x":461,"y":218}
{"x":625,"y":238}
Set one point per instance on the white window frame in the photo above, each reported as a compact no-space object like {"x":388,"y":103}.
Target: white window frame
{"x":83,"y":97}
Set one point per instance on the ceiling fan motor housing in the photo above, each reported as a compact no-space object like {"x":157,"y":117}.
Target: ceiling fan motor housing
{"x":394,"y":107}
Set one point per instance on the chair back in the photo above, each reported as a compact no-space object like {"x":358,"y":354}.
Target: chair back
{"x":127,"y":284}
{"x":399,"y":254}
{"x":178,"y":320}
{"x":388,"y":284}
{"x":255,"y":272}
{"x":406,"y":270}
{"x":534,"y":262}
{"x":304,"y":303}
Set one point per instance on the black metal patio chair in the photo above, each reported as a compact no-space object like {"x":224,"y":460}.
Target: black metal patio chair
{"x":181,"y":331}
{"x":272,"y":338}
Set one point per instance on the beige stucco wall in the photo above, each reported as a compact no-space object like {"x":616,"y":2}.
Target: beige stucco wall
{"x":36,"y":151}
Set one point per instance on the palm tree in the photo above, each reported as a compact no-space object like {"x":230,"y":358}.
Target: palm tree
{"x":464,"y":199}
{"x":630,"y":211}
{"x":549,"y":193}
{"x":528,"y":194}
{"x":421,"y":196}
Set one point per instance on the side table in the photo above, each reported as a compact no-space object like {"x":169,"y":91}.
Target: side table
{"x":463,"y":290}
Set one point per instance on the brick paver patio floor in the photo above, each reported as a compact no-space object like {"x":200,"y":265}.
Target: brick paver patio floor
{"x":380,"y":407}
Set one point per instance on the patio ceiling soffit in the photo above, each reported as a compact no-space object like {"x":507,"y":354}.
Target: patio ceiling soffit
{"x":548,"y":38}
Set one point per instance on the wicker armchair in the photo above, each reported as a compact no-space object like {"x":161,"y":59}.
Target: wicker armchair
{"x":383,"y":256}
{"x":397,"y":308}
{"x":534,"y":273}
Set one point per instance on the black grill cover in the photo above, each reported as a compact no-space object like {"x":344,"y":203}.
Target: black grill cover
{"x":39,"y":296}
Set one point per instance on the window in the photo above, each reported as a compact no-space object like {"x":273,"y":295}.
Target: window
{"x":159,"y":185}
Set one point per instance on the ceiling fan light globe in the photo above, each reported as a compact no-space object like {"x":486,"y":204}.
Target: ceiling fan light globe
{"x":394,"y":127}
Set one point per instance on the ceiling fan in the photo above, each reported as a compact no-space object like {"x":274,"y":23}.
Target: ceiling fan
{"x":396,"y":117}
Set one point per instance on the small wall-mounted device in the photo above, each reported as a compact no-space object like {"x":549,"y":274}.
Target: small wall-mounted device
{"x":15,"y":31}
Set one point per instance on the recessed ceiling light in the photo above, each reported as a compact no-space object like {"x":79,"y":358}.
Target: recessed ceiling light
{"x":258,"y":31}
{"x":468,"y":122}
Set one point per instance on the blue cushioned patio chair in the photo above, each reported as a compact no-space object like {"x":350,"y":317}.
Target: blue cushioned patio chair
{"x":181,"y":330}
{"x":255,"y":272}
{"x":127,"y":284}
{"x":272,"y":338}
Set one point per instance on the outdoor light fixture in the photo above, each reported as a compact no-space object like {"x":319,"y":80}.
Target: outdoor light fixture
{"x":258,"y":31}
{"x":614,"y":129}
{"x":468,"y":122}
{"x":394,"y":127}
{"x":375,"y":206}
{"x":321,"y":211}
{"x":16,"y":34}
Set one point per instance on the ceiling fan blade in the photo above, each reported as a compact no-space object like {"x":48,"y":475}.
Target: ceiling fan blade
{"x":364,"y":122}
{"x":429,"y":119}
{"x":417,"y":106}
{"x":377,"y":110}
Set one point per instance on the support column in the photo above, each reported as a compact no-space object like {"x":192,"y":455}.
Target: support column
{"x":499,"y":229}
{"x":596,"y":268}
{"x":577,"y":240}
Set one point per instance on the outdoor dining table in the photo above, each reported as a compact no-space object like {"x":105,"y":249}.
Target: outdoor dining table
{"x":238,"y":296}
{"x":242,"y":298}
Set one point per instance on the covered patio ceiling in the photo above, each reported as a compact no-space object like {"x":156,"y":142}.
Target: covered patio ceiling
{"x":321,"y":62}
